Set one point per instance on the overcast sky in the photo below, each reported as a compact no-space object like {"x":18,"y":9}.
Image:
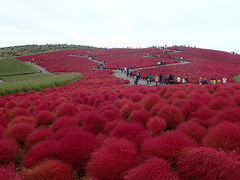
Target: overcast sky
{"x":210,"y":24}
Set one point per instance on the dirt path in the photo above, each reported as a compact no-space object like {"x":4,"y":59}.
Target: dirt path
{"x":120,"y":74}
{"x":43,"y":70}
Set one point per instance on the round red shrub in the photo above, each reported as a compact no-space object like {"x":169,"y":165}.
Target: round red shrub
{"x":8,"y":150}
{"x":64,"y":122}
{"x":112,"y":160}
{"x":22,"y":119}
{"x":9,"y":172}
{"x":156,"y":108}
{"x":220,"y":103}
{"x":93,"y":122}
{"x":191,"y":107}
{"x":41,"y":151}
{"x":172,"y":116}
{"x":154,"y":169}
{"x":2,"y":129}
{"x":66,"y":109}
{"x":193,"y":130}
{"x":134,"y":132}
{"x":149,"y":100}
{"x":207,"y":163}
{"x":109,"y":126}
{"x":18,"y":111}
{"x":50,"y":169}
{"x":4,"y":121}
{"x":76,"y":146}
{"x":167,"y":146}
{"x":140,"y":115}
{"x":45,"y":117}
{"x":156,"y":125}
{"x":237,"y":100}
{"x":225,"y":136}
{"x":227,"y":114}
{"x":203,"y":116}
{"x":19,"y":131}
{"x":129,"y":108}
{"x":38,"y":136}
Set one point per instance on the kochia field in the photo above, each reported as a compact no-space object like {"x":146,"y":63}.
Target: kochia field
{"x":100,"y":128}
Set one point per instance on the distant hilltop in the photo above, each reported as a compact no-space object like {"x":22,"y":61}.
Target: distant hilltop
{"x":33,"y":49}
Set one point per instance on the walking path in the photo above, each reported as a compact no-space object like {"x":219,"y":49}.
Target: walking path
{"x":119,"y":74}
{"x":41,"y":69}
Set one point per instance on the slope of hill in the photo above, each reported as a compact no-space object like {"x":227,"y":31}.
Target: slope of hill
{"x":99,"y":128}
{"x":33,"y":49}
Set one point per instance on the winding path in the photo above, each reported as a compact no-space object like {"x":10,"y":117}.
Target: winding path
{"x":119,"y":74}
{"x":43,"y":70}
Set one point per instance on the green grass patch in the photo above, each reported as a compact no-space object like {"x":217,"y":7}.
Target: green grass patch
{"x":237,"y":78}
{"x":10,"y":66}
{"x":25,"y":83}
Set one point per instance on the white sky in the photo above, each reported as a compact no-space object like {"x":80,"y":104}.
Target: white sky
{"x":210,"y":24}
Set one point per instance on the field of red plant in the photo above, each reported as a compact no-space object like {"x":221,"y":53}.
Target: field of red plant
{"x":204,"y":63}
{"x":97,"y":128}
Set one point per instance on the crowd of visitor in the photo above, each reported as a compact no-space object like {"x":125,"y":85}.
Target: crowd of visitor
{"x":165,"y":79}
{"x":212,"y":81}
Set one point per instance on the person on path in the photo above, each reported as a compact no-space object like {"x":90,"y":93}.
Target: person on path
{"x":161,"y":78}
{"x":135,"y":79}
{"x":178,"y":80}
{"x":224,"y":80}
{"x":156,"y":79}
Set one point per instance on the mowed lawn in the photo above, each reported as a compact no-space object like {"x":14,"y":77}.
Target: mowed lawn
{"x":12,"y":66}
{"x":16,"y":76}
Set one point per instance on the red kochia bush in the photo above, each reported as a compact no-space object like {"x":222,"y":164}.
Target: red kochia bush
{"x":112,"y":160}
{"x":45,"y":117}
{"x":41,"y":151}
{"x":191,"y":107}
{"x":50,"y":169}
{"x":140,"y":115}
{"x":225,"y":136}
{"x":134,"y":132}
{"x":18,"y":111}
{"x":2,"y":129}
{"x":172,"y":116}
{"x":4,"y":121}
{"x":152,"y":169}
{"x":150,"y":100}
{"x":9,"y":172}
{"x":207,"y":163}
{"x":22,"y":119}
{"x":203,"y":116}
{"x":64,"y":122}
{"x":166,"y":146}
{"x":193,"y":130}
{"x":93,"y":122}
{"x":76,"y":146}
{"x":129,"y":108}
{"x":220,"y":103}
{"x":8,"y":150}
{"x":66,"y":109}
{"x":228,"y":114}
{"x":19,"y":131}
{"x":156,"y":125}
{"x":38,"y":136}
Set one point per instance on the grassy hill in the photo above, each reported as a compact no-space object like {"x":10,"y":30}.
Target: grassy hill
{"x":32,"y":49}
{"x":10,"y":66}
{"x":17,"y":76}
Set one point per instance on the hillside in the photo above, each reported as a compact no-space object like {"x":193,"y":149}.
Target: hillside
{"x":33,"y":49}
{"x":101,"y":127}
